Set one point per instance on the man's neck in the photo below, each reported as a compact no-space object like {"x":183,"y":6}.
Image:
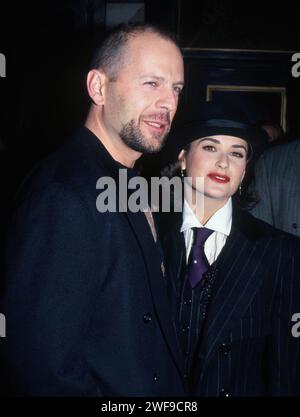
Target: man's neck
{"x":118,"y":150}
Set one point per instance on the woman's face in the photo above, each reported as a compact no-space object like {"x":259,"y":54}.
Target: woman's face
{"x":220,"y":160}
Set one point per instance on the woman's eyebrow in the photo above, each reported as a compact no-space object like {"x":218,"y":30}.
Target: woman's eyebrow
{"x":213,"y":140}
{"x":210,"y":139}
{"x":240,"y":146}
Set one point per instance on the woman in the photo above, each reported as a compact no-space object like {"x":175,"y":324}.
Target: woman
{"x":237,"y":291}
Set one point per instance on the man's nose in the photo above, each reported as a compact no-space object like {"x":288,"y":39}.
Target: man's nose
{"x":168,"y":100}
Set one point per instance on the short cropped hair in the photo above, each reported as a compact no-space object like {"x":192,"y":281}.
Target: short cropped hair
{"x":110,"y":54}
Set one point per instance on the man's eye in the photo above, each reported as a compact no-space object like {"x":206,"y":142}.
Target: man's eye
{"x":152,"y":83}
{"x":178,"y":90}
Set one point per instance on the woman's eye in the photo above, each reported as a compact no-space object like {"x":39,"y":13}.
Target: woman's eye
{"x":209,"y":148}
{"x":238,"y":154}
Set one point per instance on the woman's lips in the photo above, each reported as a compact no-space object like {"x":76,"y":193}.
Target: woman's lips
{"x":222,"y":179}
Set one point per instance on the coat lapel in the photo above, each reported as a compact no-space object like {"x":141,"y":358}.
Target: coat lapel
{"x":176,"y":254}
{"x":239,"y":273}
{"x":158,"y":287}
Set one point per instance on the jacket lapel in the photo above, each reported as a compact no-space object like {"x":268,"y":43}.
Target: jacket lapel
{"x":158,"y":287}
{"x":239,"y":273}
{"x":176,"y":253}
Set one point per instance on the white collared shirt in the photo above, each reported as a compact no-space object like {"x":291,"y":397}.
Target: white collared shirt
{"x":220,"y":222}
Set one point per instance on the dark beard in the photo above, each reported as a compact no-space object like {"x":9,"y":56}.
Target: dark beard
{"x":133,"y":137}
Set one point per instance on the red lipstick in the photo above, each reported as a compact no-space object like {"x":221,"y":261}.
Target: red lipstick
{"x":220,"y":178}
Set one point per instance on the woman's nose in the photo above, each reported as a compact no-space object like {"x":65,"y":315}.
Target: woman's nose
{"x":222,"y":161}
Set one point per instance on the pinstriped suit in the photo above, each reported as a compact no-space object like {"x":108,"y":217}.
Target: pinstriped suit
{"x":246,"y":347}
{"x":277,"y":181}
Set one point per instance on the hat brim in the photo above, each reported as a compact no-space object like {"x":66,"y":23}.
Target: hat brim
{"x":178,"y":140}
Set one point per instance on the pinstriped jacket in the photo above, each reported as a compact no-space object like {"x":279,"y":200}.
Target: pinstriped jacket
{"x":277,"y":182}
{"x":247,"y":347}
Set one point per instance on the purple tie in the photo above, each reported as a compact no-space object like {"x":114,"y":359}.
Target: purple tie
{"x":198,"y":263}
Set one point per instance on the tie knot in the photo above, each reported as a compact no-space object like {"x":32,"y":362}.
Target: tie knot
{"x":200,"y":235}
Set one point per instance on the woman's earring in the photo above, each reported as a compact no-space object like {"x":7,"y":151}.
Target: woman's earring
{"x":182,"y":174}
{"x":240,"y":190}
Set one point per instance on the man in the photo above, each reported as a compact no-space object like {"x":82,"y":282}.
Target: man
{"x":278,"y":187}
{"x":85,"y":302}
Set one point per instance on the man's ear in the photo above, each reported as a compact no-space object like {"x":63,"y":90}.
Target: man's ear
{"x":181,"y":159}
{"x":96,"y":81}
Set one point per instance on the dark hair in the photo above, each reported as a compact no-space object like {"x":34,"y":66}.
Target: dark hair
{"x":172,"y":169}
{"x":244,"y":200}
{"x":277,"y":133}
{"x":109,"y":55}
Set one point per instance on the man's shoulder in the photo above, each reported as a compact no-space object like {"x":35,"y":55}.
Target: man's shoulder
{"x":78,"y":159}
{"x":76,"y":163}
{"x":282,"y":151}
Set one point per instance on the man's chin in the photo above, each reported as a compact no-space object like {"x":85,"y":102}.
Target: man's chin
{"x":155,"y":147}
{"x":147,"y":145}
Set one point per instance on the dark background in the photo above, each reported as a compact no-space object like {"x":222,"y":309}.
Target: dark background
{"x":48,"y":47}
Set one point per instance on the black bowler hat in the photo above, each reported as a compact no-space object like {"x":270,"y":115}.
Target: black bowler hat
{"x":215,"y":119}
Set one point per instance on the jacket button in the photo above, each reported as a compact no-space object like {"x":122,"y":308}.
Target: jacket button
{"x":225,"y":393}
{"x":225,"y":348}
{"x":155,"y":378}
{"x":294,"y":225}
{"x":185,"y":329}
{"x":147,"y":317}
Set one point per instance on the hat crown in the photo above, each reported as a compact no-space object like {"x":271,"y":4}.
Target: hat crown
{"x":214,"y":119}
{"x":213,"y":111}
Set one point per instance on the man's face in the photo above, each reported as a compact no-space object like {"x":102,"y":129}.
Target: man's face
{"x":141,"y":102}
